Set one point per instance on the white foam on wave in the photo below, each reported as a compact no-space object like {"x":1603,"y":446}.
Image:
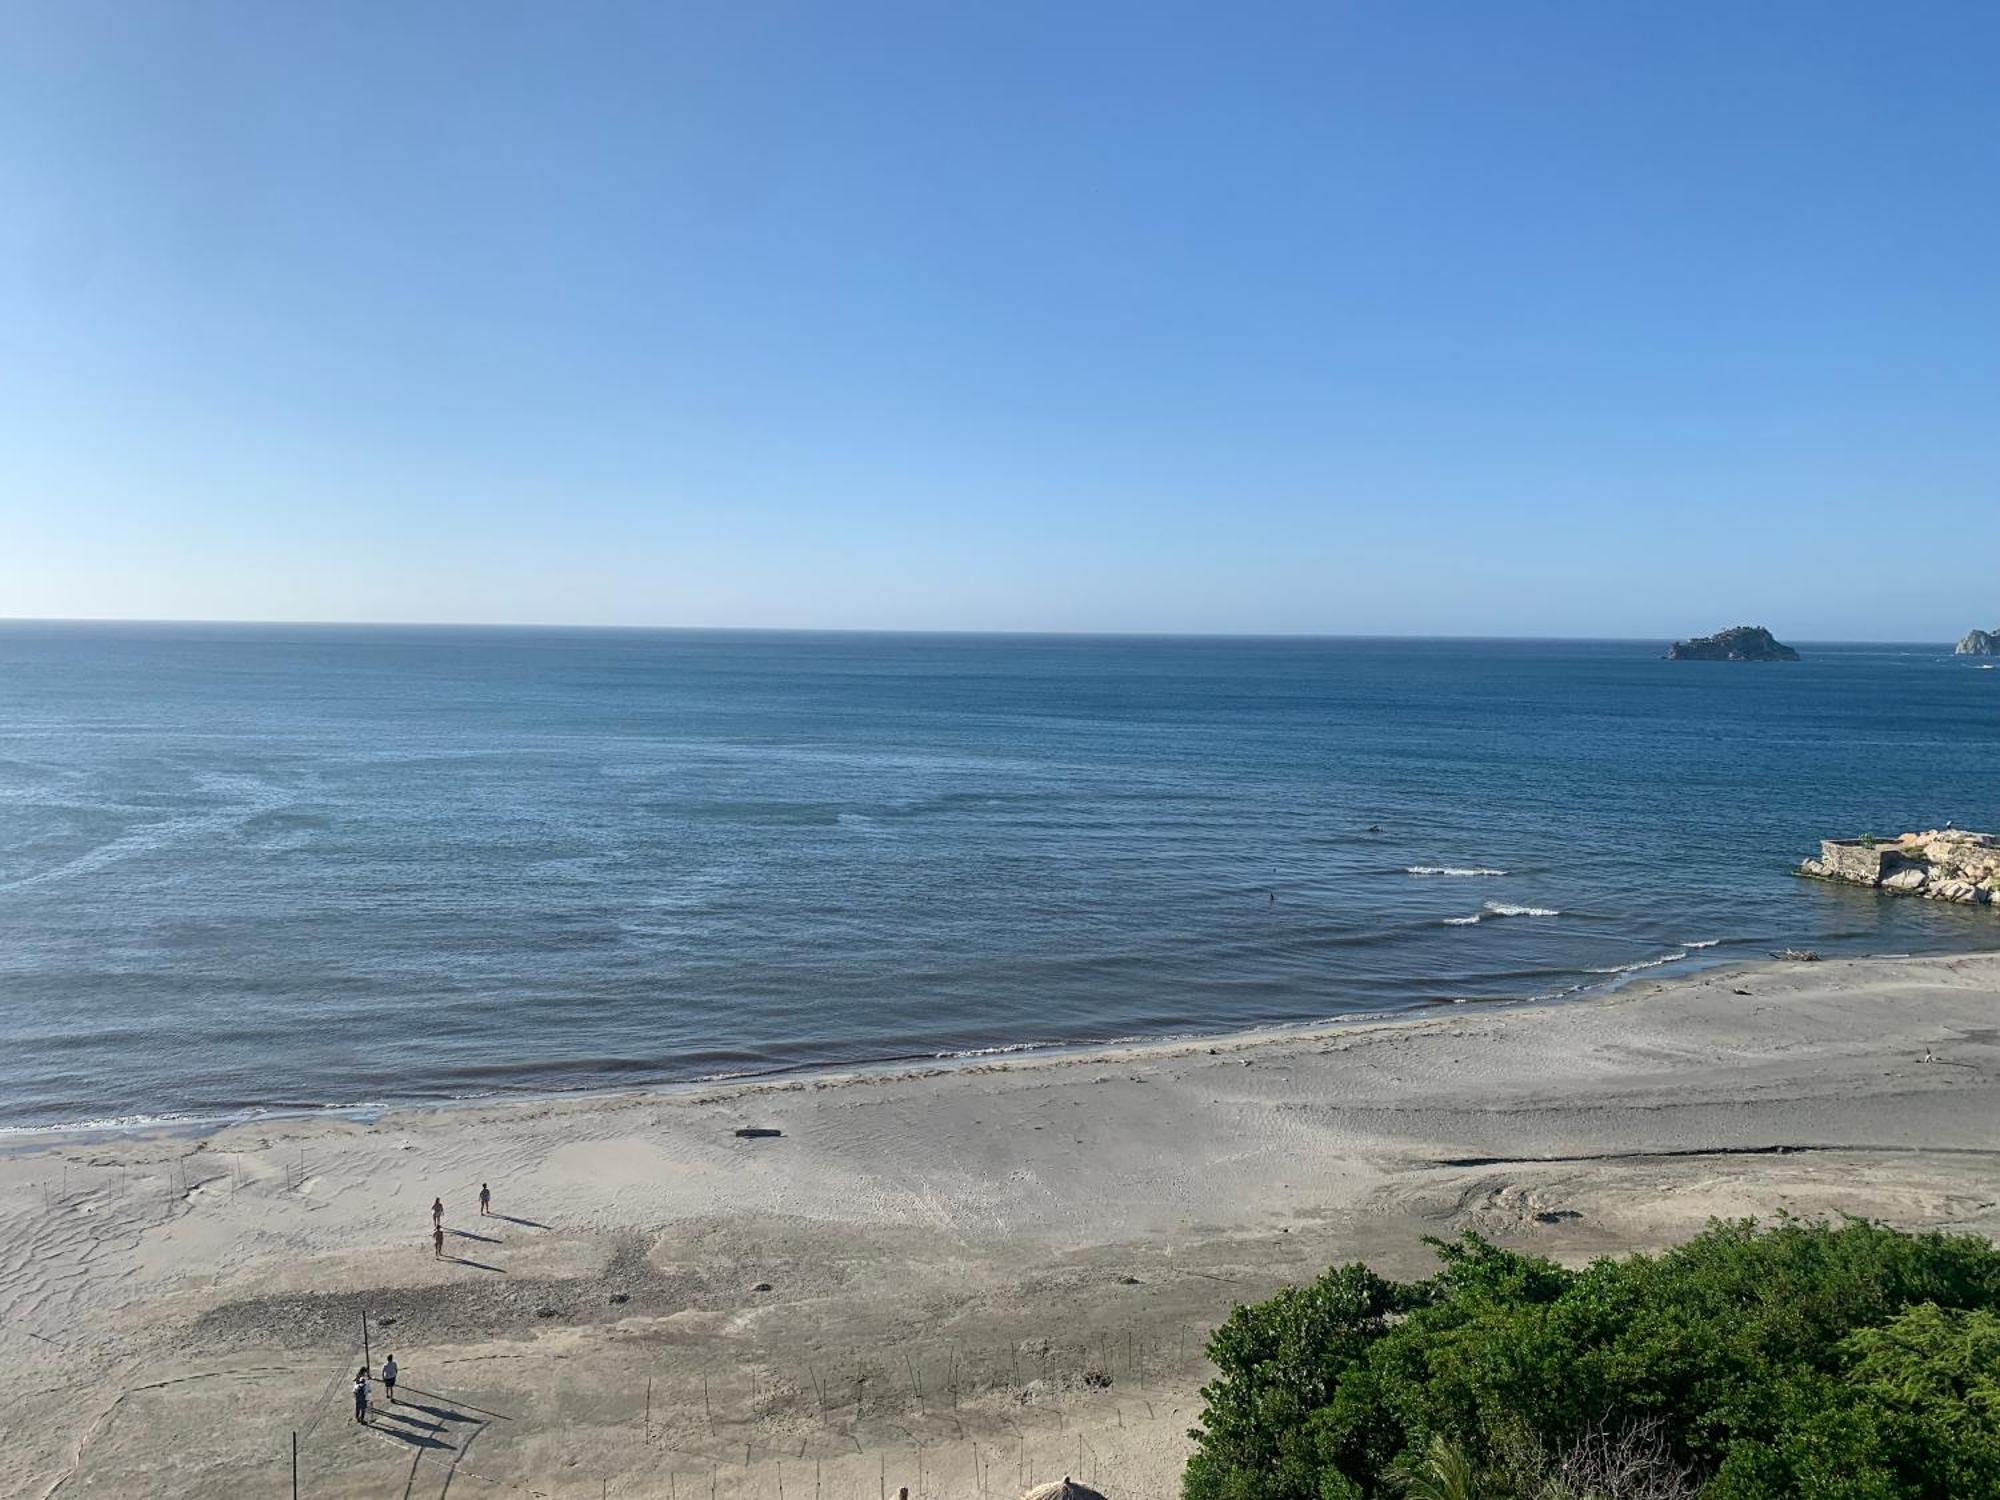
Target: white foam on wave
{"x":116,"y":1122}
{"x":1006,"y":1051}
{"x":1501,"y":909}
{"x":1702,"y":943}
{"x":1460,"y":870}
{"x":175,"y":1120}
{"x":1644,"y":963}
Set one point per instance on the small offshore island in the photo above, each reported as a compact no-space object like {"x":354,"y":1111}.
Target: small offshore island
{"x":1980,"y":643}
{"x":1739,"y":643}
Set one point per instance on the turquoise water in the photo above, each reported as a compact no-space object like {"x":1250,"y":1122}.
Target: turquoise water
{"x":249,"y":868}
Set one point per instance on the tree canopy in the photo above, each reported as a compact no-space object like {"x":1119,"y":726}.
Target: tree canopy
{"x":1845,"y":1362}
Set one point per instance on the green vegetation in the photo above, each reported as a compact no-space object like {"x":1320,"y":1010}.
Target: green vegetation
{"x":1803,"y":1359}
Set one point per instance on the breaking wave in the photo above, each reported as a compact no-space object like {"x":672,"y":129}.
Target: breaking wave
{"x":1644,"y":963}
{"x":1451,"y":870}
{"x":1501,"y":909}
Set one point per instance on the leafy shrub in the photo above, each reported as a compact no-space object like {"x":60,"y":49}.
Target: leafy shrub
{"x":1850,"y":1362}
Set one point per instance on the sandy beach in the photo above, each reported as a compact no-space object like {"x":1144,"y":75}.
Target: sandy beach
{"x":958,"y":1279}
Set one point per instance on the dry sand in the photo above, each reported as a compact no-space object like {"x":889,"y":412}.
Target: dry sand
{"x":960,"y":1280}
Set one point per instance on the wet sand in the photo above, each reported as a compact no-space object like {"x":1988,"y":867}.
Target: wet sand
{"x":957,"y":1279}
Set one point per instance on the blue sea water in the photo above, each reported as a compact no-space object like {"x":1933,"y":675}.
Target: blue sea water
{"x":247,"y":868}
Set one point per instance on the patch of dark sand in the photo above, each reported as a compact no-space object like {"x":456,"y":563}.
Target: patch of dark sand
{"x":483,"y":1307}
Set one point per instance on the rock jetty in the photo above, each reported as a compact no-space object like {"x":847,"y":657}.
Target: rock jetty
{"x":1945,"y":864}
{"x":1980,"y":643}
{"x":1739,"y":643}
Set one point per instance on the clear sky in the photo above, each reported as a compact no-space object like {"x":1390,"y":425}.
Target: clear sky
{"x":1494,"y":317}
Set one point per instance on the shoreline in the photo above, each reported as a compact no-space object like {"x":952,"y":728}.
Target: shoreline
{"x":927,"y":1270}
{"x":19,"y":1137}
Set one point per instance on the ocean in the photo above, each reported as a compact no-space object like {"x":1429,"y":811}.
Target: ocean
{"x":257,"y":868}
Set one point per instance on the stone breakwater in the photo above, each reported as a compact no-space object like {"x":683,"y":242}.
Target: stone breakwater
{"x":1945,"y":864}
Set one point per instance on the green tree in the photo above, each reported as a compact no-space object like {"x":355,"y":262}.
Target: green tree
{"x":1849,"y":1361}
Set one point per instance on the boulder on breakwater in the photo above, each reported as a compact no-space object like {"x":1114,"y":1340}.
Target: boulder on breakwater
{"x":1945,"y":864}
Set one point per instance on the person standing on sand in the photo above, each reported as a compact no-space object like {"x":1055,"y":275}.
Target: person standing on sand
{"x":437,"y":1241}
{"x":389,"y":1378}
{"x":361,"y":1395}
{"x":485,"y":1199}
{"x":437,"y":1213}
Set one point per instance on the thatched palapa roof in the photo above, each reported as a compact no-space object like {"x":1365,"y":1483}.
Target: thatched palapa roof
{"x":1063,"y":1489}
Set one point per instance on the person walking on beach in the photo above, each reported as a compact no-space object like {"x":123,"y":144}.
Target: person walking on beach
{"x":437,"y":1213}
{"x":485,"y":1200}
{"x":389,"y":1378}
{"x":361,"y":1395}
{"x":437,"y":1241}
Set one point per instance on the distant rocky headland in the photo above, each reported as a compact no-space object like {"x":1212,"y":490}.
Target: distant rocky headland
{"x":1945,"y":864}
{"x":1741,"y":643}
{"x":1980,"y":643}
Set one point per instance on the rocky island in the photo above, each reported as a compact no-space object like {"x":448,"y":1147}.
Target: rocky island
{"x":1740,"y":643}
{"x":1945,"y":864}
{"x":1980,"y":643}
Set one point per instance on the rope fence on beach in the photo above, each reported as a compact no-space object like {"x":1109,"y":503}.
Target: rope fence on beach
{"x":946,"y":1420}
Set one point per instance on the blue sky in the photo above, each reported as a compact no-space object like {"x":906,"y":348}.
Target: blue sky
{"x":1527,"y":318}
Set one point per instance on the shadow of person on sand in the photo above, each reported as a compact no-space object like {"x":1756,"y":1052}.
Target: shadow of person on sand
{"x":477,"y":1265}
{"x":400,"y":1412}
{"x":524,"y":1223}
{"x":459,"y":1416}
{"x":442,"y":1413}
{"x":387,"y":1424}
{"x":467,"y":1234}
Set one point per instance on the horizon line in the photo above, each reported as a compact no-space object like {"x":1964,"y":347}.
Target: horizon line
{"x":881,"y":630}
